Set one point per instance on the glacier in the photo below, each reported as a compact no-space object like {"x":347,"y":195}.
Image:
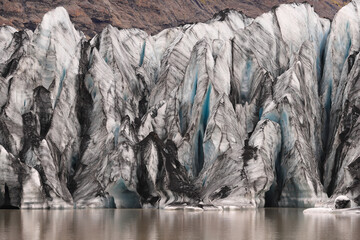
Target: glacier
{"x":234,"y":112}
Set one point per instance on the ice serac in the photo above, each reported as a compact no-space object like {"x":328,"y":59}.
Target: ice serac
{"x":39,"y":123}
{"x":12,"y":172}
{"x":162,"y":179}
{"x":234,"y":112}
{"x":13,"y":45}
{"x":339,"y":89}
{"x":299,"y":111}
{"x":240,"y":172}
{"x":123,"y":51}
{"x":175,"y":58}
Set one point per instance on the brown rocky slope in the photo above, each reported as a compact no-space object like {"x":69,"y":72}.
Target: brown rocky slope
{"x":91,"y":16}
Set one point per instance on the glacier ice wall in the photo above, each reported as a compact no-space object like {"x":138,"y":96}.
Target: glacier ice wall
{"x":233,"y":112}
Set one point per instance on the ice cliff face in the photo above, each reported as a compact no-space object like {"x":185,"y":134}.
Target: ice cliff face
{"x":234,"y":112}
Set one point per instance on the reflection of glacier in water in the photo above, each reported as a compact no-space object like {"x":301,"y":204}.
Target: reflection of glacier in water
{"x":152,"y":224}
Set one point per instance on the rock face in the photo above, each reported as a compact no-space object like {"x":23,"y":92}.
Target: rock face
{"x":152,"y":16}
{"x":233,"y":112}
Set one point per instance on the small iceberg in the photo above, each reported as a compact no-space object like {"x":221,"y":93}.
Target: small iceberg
{"x":342,"y":205}
{"x":198,"y":207}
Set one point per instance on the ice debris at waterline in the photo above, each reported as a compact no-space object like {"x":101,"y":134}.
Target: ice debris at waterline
{"x":234,"y":112}
{"x":342,"y":205}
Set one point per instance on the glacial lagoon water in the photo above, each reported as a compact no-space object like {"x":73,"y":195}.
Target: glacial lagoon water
{"x":103,"y":224}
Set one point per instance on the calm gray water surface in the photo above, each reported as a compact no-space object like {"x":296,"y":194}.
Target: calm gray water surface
{"x":106,"y":224}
